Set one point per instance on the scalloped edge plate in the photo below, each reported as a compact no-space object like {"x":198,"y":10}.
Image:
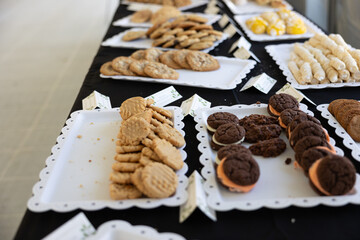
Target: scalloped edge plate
{"x":123,"y":230}
{"x":194,"y":4}
{"x":224,"y":78}
{"x":125,"y":21}
{"x":251,"y":7}
{"x":70,"y":181}
{"x":287,"y":176}
{"x":281,"y":55}
{"x":145,"y":43}
{"x":311,"y":30}
{"x":340,"y":131}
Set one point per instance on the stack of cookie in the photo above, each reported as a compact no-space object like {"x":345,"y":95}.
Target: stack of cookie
{"x":186,"y":31}
{"x":155,"y":63}
{"x":347,"y":112}
{"x":176,"y":3}
{"x":329,"y":174}
{"x":147,"y":153}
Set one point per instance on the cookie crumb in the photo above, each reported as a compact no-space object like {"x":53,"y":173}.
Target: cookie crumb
{"x":258,"y":102}
{"x":90,"y":161}
{"x":91,"y":123}
{"x":288,"y":161}
{"x":98,"y":139}
{"x":112,"y":139}
{"x":81,"y":186}
{"x":79,"y":136}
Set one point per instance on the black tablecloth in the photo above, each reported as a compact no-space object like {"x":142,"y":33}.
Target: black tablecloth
{"x":319,"y":222}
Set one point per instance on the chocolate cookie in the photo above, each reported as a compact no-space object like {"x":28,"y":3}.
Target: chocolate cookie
{"x":299,"y":119}
{"x":268,"y":148}
{"x":230,"y":150}
{"x":280,"y":102}
{"x":308,"y":142}
{"x":305,"y":129}
{"x":288,"y":115}
{"x":219,"y":118}
{"x":333,"y":175}
{"x":257,"y":119}
{"x":226,"y":134}
{"x":262,"y":132}
{"x":311,"y":155}
{"x":241,"y":169}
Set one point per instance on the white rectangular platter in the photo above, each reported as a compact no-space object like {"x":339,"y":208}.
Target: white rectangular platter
{"x":281,"y":55}
{"x":340,"y":131}
{"x":311,"y":30}
{"x":279,"y":186}
{"x":125,"y":21}
{"x":230,"y":73}
{"x":135,"y":6}
{"x":144,"y":43}
{"x":76,"y":175}
{"x":122,"y":230}
{"x":251,"y":7}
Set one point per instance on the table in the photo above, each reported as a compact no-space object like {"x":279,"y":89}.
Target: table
{"x":319,"y":222}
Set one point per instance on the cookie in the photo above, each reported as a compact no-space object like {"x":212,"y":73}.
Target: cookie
{"x":153,"y":28}
{"x":173,"y":31}
{"x":268,"y":148}
{"x":127,"y":157}
{"x":160,"y":41}
{"x":148,"y":152}
{"x":230,"y":150}
{"x":134,"y":130}
{"x":165,"y":13}
{"x":158,"y":32}
{"x":347,"y":113}
{"x":125,"y":166}
{"x":180,"y":58}
{"x":133,"y":35}
{"x":170,"y":134}
{"x":107,"y":70}
{"x":262,"y":132}
{"x":227,"y":134}
{"x":311,"y":155}
{"x":124,"y":191}
{"x":238,"y":172}
{"x":159,"y":181}
{"x":333,"y":175}
{"x":353,"y":128}
{"x":336,"y":104}
{"x":257,"y":119}
{"x":306,"y":129}
{"x":120,"y":177}
{"x":141,"y":16}
{"x":287,"y":115}
{"x":308,"y":142}
{"x":167,"y":59}
{"x":200,"y":61}
{"x":186,"y":33}
{"x":168,"y":154}
{"x":138,"y":67}
{"x":152,"y":54}
{"x":182,"y":3}
{"x":209,"y":38}
{"x":132,"y":106}
{"x":178,"y":20}
{"x":138,"y":55}
{"x":200,"y":27}
{"x":159,"y":70}
{"x":147,"y":114}
{"x":199,"y":35}
{"x":219,"y":118}
{"x":213,"y":32}
{"x":121,"y":64}
{"x":189,"y":42}
{"x":145,"y":160}
{"x":201,"y":45}
{"x":196,"y":18}
{"x":186,"y":24}
{"x":137,"y":181}
{"x":129,"y":149}
{"x":299,"y":119}
{"x":175,"y":41}
{"x":280,"y":102}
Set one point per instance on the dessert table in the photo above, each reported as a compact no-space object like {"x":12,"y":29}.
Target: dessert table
{"x":319,"y":222}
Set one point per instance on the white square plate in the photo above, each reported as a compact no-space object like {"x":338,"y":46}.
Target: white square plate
{"x":76,"y":175}
{"x":125,"y":21}
{"x":311,"y":30}
{"x":230,"y":73}
{"x":281,"y":55}
{"x":145,"y":43}
{"x":279,"y":186}
{"x":340,"y":131}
